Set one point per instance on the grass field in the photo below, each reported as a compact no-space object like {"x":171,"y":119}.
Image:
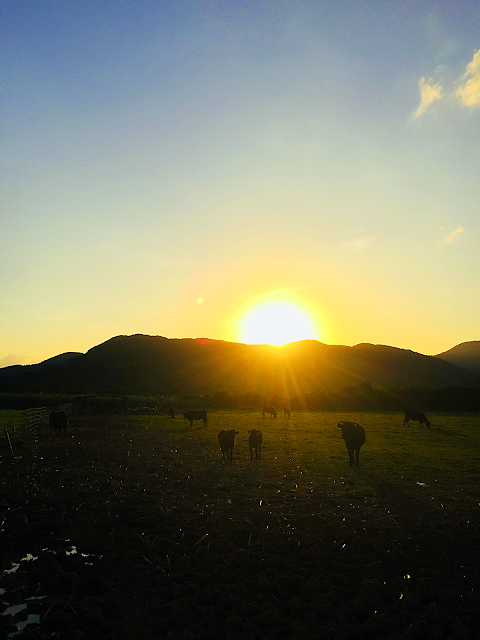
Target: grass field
{"x":142,"y":530}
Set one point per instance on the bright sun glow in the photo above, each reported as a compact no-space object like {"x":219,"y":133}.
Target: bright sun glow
{"x":277,"y":323}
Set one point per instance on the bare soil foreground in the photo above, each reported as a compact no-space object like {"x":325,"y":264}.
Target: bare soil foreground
{"x":136,"y":527}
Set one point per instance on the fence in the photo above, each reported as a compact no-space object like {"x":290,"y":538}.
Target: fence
{"x":25,"y":434}
{"x":34,"y":420}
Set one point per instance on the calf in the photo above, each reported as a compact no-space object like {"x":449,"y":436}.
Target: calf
{"x":287,"y":412}
{"x":354,"y":436}
{"x":415,"y":415}
{"x":196,"y":415}
{"x":171,"y":412}
{"x":226,"y":440}
{"x":255,"y":443}
{"x":58,"y":421}
{"x":270,"y":410}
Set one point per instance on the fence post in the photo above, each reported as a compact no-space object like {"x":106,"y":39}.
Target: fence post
{"x":10,"y":443}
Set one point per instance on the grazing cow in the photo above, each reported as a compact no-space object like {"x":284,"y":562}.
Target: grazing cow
{"x":271,"y":411}
{"x":415,"y":415}
{"x":287,"y":412}
{"x":354,"y":436}
{"x":196,"y":415}
{"x":255,"y":443}
{"x":226,"y":439}
{"x":171,"y":412}
{"x":58,"y":421}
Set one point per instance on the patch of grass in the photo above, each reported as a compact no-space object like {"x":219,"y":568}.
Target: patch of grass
{"x":186,"y":544}
{"x":9,"y":418}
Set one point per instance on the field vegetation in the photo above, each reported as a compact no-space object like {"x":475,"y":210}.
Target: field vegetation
{"x":138,"y":528}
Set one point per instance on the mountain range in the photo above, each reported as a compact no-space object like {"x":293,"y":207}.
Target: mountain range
{"x":154,"y":364}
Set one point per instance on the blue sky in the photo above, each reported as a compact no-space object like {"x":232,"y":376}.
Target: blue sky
{"x":156,"y":153}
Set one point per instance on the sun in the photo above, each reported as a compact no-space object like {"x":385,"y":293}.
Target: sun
{"x":277,"y":323}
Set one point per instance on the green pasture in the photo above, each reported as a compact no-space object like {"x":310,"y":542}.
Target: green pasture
{"x":296,"y":544}
{"x":400,"y":465}
{"x":306,"y":452}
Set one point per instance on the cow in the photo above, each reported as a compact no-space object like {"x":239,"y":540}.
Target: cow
{"x":255,"y":443}
{"x":226,"y":440}
{"x":58,"y":421}
{"x":270,"y":410}
{"x":354,"y":436}
{"x":287,"y":412}
{"x":417,"y":416}
{"x":171,"y":412}
{"x":196,"y":415}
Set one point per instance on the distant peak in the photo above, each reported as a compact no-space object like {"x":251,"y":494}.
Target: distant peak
{"x":468,"y":348}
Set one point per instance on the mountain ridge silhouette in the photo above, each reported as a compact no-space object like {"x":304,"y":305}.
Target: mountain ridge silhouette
{"x":199,"y":366}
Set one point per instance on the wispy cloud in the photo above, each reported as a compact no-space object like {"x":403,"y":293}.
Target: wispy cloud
{"x":14,"y":358}
{"x":358,"y":244}
{"x":429,"y":92}
{"x":452,"y":237}
{"x":466,"y":93}
{"x":469,"y":91}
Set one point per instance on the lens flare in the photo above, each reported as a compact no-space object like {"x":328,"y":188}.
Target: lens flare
{"x":277,"y":323}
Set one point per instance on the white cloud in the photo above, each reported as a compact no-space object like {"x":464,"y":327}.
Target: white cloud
{"x":452,"y":237}
{"x":429,"y":92}
{"x":358,"y":244}
{"x":469,"y":91}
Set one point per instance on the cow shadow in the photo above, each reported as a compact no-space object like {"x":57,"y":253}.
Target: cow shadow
{"x":447,"y":432}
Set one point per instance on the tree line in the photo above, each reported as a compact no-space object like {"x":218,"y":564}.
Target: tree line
{"x":362,"y":397}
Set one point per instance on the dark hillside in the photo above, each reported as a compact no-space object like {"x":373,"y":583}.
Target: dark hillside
{"x":63,"y":357}
{"x":465,"y":355}
{"x":153,"y":364}
{"x":400,"y":365}
{"x":19,"y":369}
{"x":12,"y":370}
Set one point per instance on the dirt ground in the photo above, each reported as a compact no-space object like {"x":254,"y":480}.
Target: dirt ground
{"x":133,"y":529}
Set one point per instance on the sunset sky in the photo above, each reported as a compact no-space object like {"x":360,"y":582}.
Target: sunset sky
{"x":167,"y":166}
